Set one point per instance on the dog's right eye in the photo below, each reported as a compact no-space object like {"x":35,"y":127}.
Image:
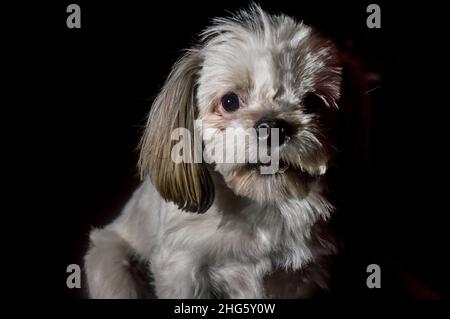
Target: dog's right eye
{"x":230,"y":102}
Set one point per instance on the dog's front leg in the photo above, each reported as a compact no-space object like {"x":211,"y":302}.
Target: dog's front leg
{"x":107,"y":267}
{"x":179,"y":275}
{"x":240,"y":280}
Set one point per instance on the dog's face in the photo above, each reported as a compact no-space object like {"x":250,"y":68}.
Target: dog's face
{"x":254,"y":73}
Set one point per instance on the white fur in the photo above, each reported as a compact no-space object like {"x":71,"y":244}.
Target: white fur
{"x":250,"y":229}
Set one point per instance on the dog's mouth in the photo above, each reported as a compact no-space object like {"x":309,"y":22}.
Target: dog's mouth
{"x":282,"y":166}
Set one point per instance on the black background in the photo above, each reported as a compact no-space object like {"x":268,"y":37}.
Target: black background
{"x":84,"y":94}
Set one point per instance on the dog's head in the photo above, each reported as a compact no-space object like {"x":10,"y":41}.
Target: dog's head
{"x":255,"y":85}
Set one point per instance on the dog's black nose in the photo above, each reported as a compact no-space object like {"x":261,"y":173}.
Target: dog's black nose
{"x":264,"y":125}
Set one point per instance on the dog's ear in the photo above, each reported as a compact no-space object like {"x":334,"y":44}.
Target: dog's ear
{"x":189,"y":185}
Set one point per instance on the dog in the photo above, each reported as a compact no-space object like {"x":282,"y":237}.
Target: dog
{"x":209,"y":228}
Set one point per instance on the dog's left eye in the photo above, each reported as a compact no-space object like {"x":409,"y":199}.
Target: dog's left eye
{"x":312,"y":103}
{"x":230,"y":102}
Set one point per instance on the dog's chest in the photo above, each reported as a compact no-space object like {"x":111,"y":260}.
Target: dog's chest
{"x":213,"y":239}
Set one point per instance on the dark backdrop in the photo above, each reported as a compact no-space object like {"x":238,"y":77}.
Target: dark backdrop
{"x":90,"y":90}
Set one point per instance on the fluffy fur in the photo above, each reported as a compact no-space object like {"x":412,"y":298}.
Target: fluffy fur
{"x":246,"y":225}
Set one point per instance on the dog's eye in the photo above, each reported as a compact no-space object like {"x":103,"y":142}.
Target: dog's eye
{"x":312,"y":103}
{"x":230,"y":102}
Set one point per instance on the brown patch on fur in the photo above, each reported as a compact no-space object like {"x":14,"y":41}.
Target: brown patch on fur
{"x":188,"y":185}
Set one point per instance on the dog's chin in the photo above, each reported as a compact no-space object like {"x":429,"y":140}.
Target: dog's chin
{"x":287,"y":181}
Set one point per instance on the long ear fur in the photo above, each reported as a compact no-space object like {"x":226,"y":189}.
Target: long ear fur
{"x":189,"y":185}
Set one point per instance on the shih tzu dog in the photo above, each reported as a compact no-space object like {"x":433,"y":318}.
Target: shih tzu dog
{"x":206,"y":227}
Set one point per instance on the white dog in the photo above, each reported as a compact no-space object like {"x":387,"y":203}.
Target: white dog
{"x":252,"y":70}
